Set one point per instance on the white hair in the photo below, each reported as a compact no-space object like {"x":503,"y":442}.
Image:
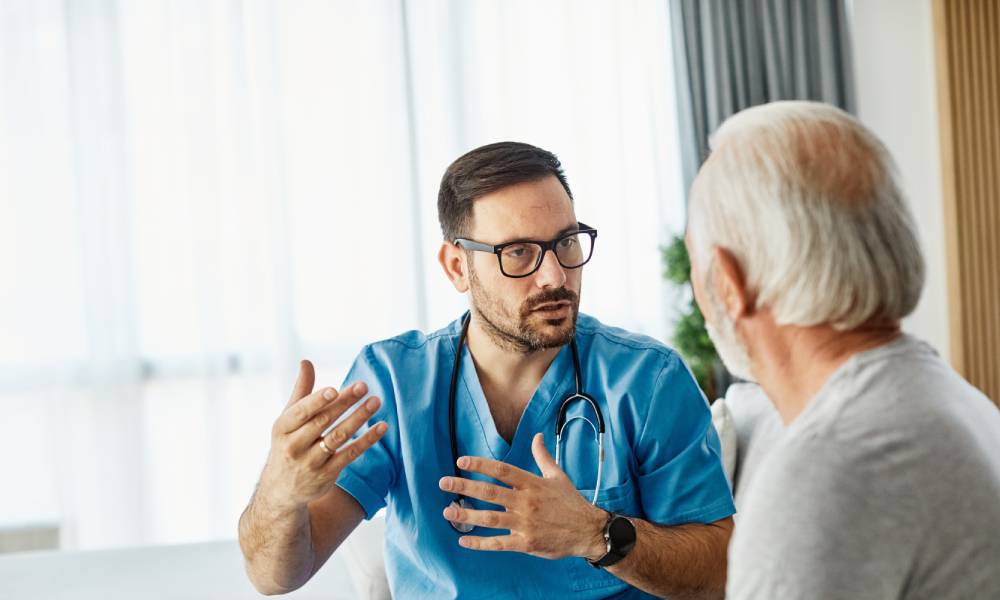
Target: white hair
{"x":806,"y":199}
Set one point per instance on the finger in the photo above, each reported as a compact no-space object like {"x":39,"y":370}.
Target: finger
{"x":341,"y":433}
{"x":500,"y":471}
{"x":543,"y":459}
{"x":303,"y":382}
{"x":496,"y":543}
{"x":352,"y":451}
{"x":484,"y":518}
{"x":307,"y":434}
{"x":481,"y":490}
{"x":298,"y":414}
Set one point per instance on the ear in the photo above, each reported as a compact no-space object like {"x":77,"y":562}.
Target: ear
{"x":730,"y":284}
{"x":453,"y":261}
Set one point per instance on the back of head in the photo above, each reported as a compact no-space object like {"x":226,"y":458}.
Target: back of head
{"x":807,"y":201}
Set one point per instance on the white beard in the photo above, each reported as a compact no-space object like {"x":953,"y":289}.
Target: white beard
{"x":732,"y":352}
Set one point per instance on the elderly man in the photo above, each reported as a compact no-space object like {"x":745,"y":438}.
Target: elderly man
{"x":886,"y":480}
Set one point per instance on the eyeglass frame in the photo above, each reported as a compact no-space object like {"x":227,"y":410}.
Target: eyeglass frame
{"x":546,"y":246}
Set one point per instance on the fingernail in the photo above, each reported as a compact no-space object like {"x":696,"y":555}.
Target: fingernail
{"x":328,"y":394}
{"x":381,"y":428}
{"x":445,"y":483}
{"x":372,"y":404}
{"x":449,"y":513}
{"x":359,"y":388}
{"x":463,"y":462}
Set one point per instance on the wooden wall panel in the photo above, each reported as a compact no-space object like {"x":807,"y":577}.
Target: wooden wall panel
{"x":967,"y":48}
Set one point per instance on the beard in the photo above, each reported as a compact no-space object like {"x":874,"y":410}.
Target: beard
{"x":524,"y":330}
{"x":731,"y":350}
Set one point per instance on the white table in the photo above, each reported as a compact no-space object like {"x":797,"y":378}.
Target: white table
{"x":212,"y":570}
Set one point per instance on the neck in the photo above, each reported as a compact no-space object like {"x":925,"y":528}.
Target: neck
{"x":500,"y":365}
{"x":793,"y":364}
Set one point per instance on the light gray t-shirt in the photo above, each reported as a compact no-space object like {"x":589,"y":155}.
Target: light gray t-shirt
{"x":887,"y":485}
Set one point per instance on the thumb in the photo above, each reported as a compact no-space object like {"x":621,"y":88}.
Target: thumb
{"x":543,"y":459}
{"x":304,"y":382}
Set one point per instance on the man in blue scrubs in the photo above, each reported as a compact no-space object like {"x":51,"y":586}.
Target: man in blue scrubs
{"x":662,"y":519}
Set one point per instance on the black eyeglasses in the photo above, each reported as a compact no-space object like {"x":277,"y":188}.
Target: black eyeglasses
{"x":523,"y":257}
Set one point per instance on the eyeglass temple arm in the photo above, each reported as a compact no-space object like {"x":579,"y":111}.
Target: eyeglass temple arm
{"x":471,"y":245}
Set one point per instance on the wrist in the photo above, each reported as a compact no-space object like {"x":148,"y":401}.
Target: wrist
{"x":276,"y":505}
{"x":595,"y":546}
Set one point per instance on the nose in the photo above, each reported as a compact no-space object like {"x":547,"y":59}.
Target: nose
{"x":550,"y":273}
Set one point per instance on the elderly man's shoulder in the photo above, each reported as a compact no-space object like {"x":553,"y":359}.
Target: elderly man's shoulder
{"x":901,"y":397}
{"x":894,"y":422}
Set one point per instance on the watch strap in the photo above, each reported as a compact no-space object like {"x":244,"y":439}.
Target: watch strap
{"x":613,"y":554}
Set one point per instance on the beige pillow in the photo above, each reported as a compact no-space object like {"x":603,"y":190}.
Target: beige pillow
{"x":722,"y":418}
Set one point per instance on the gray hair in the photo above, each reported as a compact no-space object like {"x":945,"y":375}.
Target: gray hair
{"x":806,"y":199}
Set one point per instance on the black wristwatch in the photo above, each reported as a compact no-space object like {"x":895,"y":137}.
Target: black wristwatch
{"x":619,"y":535}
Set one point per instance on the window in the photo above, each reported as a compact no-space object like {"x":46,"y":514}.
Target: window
{"x":189,"y":192}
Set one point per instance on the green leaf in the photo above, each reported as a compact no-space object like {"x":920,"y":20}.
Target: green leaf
{"x":676,"y":264}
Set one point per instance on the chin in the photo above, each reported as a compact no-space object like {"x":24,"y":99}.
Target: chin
{"x":553,"y":332}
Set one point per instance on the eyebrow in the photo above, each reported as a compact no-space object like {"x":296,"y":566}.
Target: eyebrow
{"x":568,"y":229}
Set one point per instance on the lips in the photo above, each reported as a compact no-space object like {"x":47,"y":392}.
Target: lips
{"x":551,"y":306}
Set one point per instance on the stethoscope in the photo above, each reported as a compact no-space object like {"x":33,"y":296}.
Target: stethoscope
{"x":561,"y":422}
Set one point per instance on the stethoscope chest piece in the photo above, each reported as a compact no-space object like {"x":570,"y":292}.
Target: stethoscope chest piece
{"x":461,"y":527}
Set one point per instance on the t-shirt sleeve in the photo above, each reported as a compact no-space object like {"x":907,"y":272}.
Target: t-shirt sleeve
{"x":369,"y":478}
{"x":816,"y":523}
{"x":681,"y":477}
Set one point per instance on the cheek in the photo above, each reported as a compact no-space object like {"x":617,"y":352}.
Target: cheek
{"x":574,"y":279}
{"x":499,"y":288}
{"x":699,"y":294}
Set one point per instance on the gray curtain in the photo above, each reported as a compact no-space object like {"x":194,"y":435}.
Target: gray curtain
{"x":732,"y":54}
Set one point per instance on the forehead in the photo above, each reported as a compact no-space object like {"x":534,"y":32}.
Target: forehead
{"x":538,"y":209}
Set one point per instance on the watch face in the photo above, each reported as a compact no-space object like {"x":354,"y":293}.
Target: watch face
{"x":621,"y":534}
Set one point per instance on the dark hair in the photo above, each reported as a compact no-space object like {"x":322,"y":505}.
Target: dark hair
{"x":488,"y":169}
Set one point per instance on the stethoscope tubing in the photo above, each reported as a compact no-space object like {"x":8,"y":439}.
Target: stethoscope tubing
{"x":560,"y":425}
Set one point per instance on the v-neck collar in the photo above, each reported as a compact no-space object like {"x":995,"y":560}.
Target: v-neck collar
{"x":556,"y":377}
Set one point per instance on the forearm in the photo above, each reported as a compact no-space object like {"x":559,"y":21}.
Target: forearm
{"x":684,"y":561}
{"x":276,"y":544}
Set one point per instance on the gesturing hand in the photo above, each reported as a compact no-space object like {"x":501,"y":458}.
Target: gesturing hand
{"x":545,"y":515}
{"x":298,"y":468}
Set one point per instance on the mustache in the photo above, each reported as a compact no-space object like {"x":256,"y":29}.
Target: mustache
{"x":556,"y":295}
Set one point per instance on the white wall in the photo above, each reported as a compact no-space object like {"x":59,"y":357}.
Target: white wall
{"x":897,"y":98}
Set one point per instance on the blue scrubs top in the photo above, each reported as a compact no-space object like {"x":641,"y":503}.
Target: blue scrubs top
{"x":662,"y":458}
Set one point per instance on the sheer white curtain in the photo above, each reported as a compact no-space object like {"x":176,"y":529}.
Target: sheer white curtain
{"x":194,"y":194}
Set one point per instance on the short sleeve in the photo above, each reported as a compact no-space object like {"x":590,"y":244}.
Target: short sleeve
{"x":681,"y":476}
{"x":369,"y":478}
